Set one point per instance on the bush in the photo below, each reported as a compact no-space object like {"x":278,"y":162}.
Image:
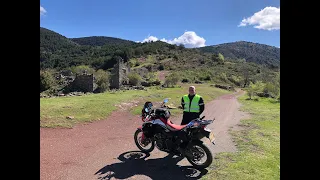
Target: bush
{"x":220,"y":59}
{"x":150,"y":76}
{"x":185,"y":80}
{"x":255,"y":88}
{"x":205,"y":78}
{"x":271,"y":89}
{"x":171,"y":80}
{"x":161,"y":67}
{"x":157,"y":82}
{"x":102,"y":80}
{"x":235,"y":80}
{"x":223,"y":77}
{"x":152,"y":79}
{"x":102,"y":87}
{"x":134,"y":78}
{"x":132,"y":62}
{"x":47,"y":81}
{"x":82,"y":69}
{"x":145,"y":83}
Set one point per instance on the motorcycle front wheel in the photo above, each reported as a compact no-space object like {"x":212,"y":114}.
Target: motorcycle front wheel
{"x":198,"y":151}
{"x":147,"y":145}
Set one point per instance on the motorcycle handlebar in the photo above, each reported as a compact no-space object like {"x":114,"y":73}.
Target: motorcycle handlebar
{"x":206,"y":120}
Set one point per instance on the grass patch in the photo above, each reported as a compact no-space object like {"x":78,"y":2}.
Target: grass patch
{"x":88,"y":108}
{"x":258,"y":144}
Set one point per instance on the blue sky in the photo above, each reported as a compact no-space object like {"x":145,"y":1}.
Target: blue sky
{"x":192,"y":23}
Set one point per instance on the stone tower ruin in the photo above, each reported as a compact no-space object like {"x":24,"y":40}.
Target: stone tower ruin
{"x":119,"y":74}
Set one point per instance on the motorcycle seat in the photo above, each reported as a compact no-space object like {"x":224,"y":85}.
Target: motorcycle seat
{"x":175,"y":126}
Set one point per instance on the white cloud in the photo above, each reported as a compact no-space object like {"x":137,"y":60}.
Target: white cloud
{"x":150,"y":39}
{"x":189,"y":39}
{"x":266,"y":19}
{"x":42,"y":11}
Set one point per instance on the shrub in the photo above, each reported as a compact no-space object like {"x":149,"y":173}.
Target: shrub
{"x":223,"y":77}
{"x":102,"y":80}
{"x":255,"y":88}
{"x":47,"y":80}
{"x":82,"y":69}
{"x":156,"y":82}
{"x":161,"y":67}
{"x":134,"y":78}
{"x":185,"y":80}
{"x":171,"y":80}
{"x":271,"y":89}
{"x":235,"y":80}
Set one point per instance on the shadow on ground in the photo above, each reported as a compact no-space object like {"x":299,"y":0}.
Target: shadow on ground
{"x":135,"y":163}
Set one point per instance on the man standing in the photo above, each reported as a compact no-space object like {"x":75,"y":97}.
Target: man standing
{"x":192,"y":105}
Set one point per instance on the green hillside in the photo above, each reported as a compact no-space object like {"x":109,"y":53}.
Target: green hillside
{"x":193,"y":65}
{"x":251,"y":52}
{"x":101,"y":41}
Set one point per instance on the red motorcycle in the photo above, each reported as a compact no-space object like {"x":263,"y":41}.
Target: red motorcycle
{"x":182,"y":140}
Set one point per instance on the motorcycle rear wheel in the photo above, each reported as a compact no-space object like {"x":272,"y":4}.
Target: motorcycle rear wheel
{"x":205,"y":150}
{"x":137,"y":140}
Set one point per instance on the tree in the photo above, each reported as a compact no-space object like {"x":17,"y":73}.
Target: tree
{"x":138,"y":51}
{"x":82,"y":69}
{"x":181,"y":46}
{"x":255,"y":88}
{"x":161,"y":67}
{"x":246,"y":75}
{"x":214,"y":57}
{"x":134,"y":78}
{"x":102,"y":80}
{"x":171,"y":80}
{"x":47,"y":80}
{"x":220,"y":59}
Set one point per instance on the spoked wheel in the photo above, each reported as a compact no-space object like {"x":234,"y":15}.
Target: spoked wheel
{"x":201,"y":155}
{"x":144,"y":144}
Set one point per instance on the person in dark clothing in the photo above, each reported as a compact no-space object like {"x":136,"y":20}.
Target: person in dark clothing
{"x":192,"y":105}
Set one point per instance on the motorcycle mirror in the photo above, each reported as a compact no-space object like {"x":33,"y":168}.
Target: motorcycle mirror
{"x":165,"y":100}
{"x":146,"y":109}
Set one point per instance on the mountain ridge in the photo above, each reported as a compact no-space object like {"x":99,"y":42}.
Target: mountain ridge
{"x":60,"y":49}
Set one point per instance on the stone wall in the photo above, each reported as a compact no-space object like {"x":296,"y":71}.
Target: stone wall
{"x":83,"y":83}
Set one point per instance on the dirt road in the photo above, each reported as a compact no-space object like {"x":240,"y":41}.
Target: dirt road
{"x":100,"y":150}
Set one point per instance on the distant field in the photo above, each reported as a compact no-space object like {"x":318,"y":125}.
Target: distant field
{"x":87,"y":108}
{"x":258,"y":144}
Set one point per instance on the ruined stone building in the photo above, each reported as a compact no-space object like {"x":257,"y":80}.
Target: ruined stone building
{"x":86,"y":82}
{"x":83,"y":83}
{"x":119,"y":74}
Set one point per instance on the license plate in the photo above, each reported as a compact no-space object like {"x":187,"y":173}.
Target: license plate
{"x":211,"y":137}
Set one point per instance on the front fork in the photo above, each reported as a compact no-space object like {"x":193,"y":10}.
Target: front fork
{"x":143,"y":137}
